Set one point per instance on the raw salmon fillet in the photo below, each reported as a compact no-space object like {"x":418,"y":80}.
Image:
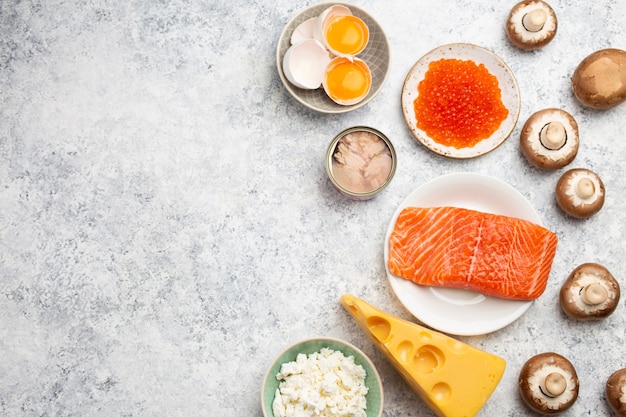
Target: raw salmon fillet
{"x":494,"y":255}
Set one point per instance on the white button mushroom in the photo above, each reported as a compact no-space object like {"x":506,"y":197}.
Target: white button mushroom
{"x":580,"y":193}
{"x":615,"y":392}
{"x":549,"y":138}
{"x":548,"y":383}
{"x":531,"y":24}
{"x":590,"y":292}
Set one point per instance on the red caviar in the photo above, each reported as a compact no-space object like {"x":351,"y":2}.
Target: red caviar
{"x":459,"y":103}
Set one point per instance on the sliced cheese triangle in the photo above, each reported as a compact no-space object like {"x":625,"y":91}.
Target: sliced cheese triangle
{"x":453,"y":378}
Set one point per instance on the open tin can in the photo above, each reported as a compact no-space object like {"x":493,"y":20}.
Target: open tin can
{"x":360,"y":162}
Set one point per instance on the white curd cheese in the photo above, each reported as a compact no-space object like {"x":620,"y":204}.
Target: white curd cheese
{"x":322,"y":384}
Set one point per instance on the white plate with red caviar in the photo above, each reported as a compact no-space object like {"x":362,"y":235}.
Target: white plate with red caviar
{"x":456,"y":311}
{"x":461,"y":100}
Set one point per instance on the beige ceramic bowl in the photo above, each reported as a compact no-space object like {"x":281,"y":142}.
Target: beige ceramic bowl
{"x":376,"y":55}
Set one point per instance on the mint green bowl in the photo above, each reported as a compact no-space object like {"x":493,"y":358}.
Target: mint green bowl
{"x":374,"y":396}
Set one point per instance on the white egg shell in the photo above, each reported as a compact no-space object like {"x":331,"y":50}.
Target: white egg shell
{"x":304,"y":31}
{"x":325,"y":17}
{"x":304,"y":64}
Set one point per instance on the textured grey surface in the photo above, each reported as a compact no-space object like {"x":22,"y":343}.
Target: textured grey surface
{"x":166,"y":226}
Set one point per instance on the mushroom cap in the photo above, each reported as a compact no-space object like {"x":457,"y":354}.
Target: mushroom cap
{"x":599,"y":81}
{"x":580,"y":193}
{"x":572,"y":293}
{"x":542,"y":155}
{"x":615,"y":392}
{"x":532,"y":383}
{"x":526,"y":39}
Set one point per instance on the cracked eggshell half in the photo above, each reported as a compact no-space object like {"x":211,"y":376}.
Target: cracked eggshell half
{"x":531,"y":24}
{"x":303,"y":31}
{"x":324,"y":19}
{"x":347,"y":81}
{"x":304,"y":64}
{"x":341,"y":32}
{"x":580,"y":193}
{"x":589,"y":293}
{"x":549,"y":139}
{"x":548,"y":383}
{"x":615,"y":392}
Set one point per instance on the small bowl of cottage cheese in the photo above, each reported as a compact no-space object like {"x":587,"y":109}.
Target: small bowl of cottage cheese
{"x":322,"y":377}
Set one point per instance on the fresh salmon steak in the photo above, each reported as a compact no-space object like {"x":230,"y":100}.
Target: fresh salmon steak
{"x":494,"y":255}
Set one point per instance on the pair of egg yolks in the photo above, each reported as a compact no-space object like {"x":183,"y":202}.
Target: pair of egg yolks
{"x":347,"y":80}
{"x":346,"y":34}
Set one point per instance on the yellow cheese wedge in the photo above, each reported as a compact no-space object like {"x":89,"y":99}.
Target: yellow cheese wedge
{"x":453,"y":378}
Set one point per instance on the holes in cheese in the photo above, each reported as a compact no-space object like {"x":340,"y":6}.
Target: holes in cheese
{"x":405,"y":349}
{"x":441,"y":392}
{"x":379,"y":326}
{"x":453,"y":378}
{"x":428,"y":359}
{"x":457,"y":346}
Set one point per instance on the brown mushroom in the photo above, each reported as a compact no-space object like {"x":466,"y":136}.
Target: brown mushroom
{"x":599,"y":81}
{"x":548,"y":383}
{"x":580,"y":193}
{"x":589,"y":293}
{"x":549,"y":138}
{"x":615,"y":392}
{"x":531,"y":24}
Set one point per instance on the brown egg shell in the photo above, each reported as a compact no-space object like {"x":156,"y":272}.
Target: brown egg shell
{"x":515,"y":30}
{"x":615,"y":385}
{"x":537,"y":154}
{"x":537,"y":401}
{"x":570,"y":293}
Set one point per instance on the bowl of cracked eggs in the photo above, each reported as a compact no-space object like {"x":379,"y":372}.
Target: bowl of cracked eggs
{"x":333,"y":57}
{"x":322,"y":377}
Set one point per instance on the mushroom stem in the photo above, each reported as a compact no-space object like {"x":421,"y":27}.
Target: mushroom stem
{"x":553,"y":135}
{"x":594,"y":294}
{"x":534,"y":21}
{"x":555,"y":384}
{"x":585,"y":188}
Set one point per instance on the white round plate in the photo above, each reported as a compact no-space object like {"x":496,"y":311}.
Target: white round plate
{"x":457,"y":311}
{"x":495,"y":65}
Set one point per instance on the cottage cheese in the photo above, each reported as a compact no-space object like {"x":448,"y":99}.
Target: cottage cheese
{"x":322,"y":384}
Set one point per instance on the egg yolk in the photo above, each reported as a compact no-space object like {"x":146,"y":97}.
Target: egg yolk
{"x":347,"y":34}
{"x":348,"y":81}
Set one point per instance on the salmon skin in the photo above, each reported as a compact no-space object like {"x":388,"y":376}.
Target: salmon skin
{"x":494,"y":255}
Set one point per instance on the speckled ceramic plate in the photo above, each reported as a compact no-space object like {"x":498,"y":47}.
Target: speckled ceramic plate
{"x":495,"y":65}
{"x":457,"y":311}
{"x":376,"y":55}
{"x":374,"y":397}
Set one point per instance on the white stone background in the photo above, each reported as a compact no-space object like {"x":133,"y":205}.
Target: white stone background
{"x":167,"y":228}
